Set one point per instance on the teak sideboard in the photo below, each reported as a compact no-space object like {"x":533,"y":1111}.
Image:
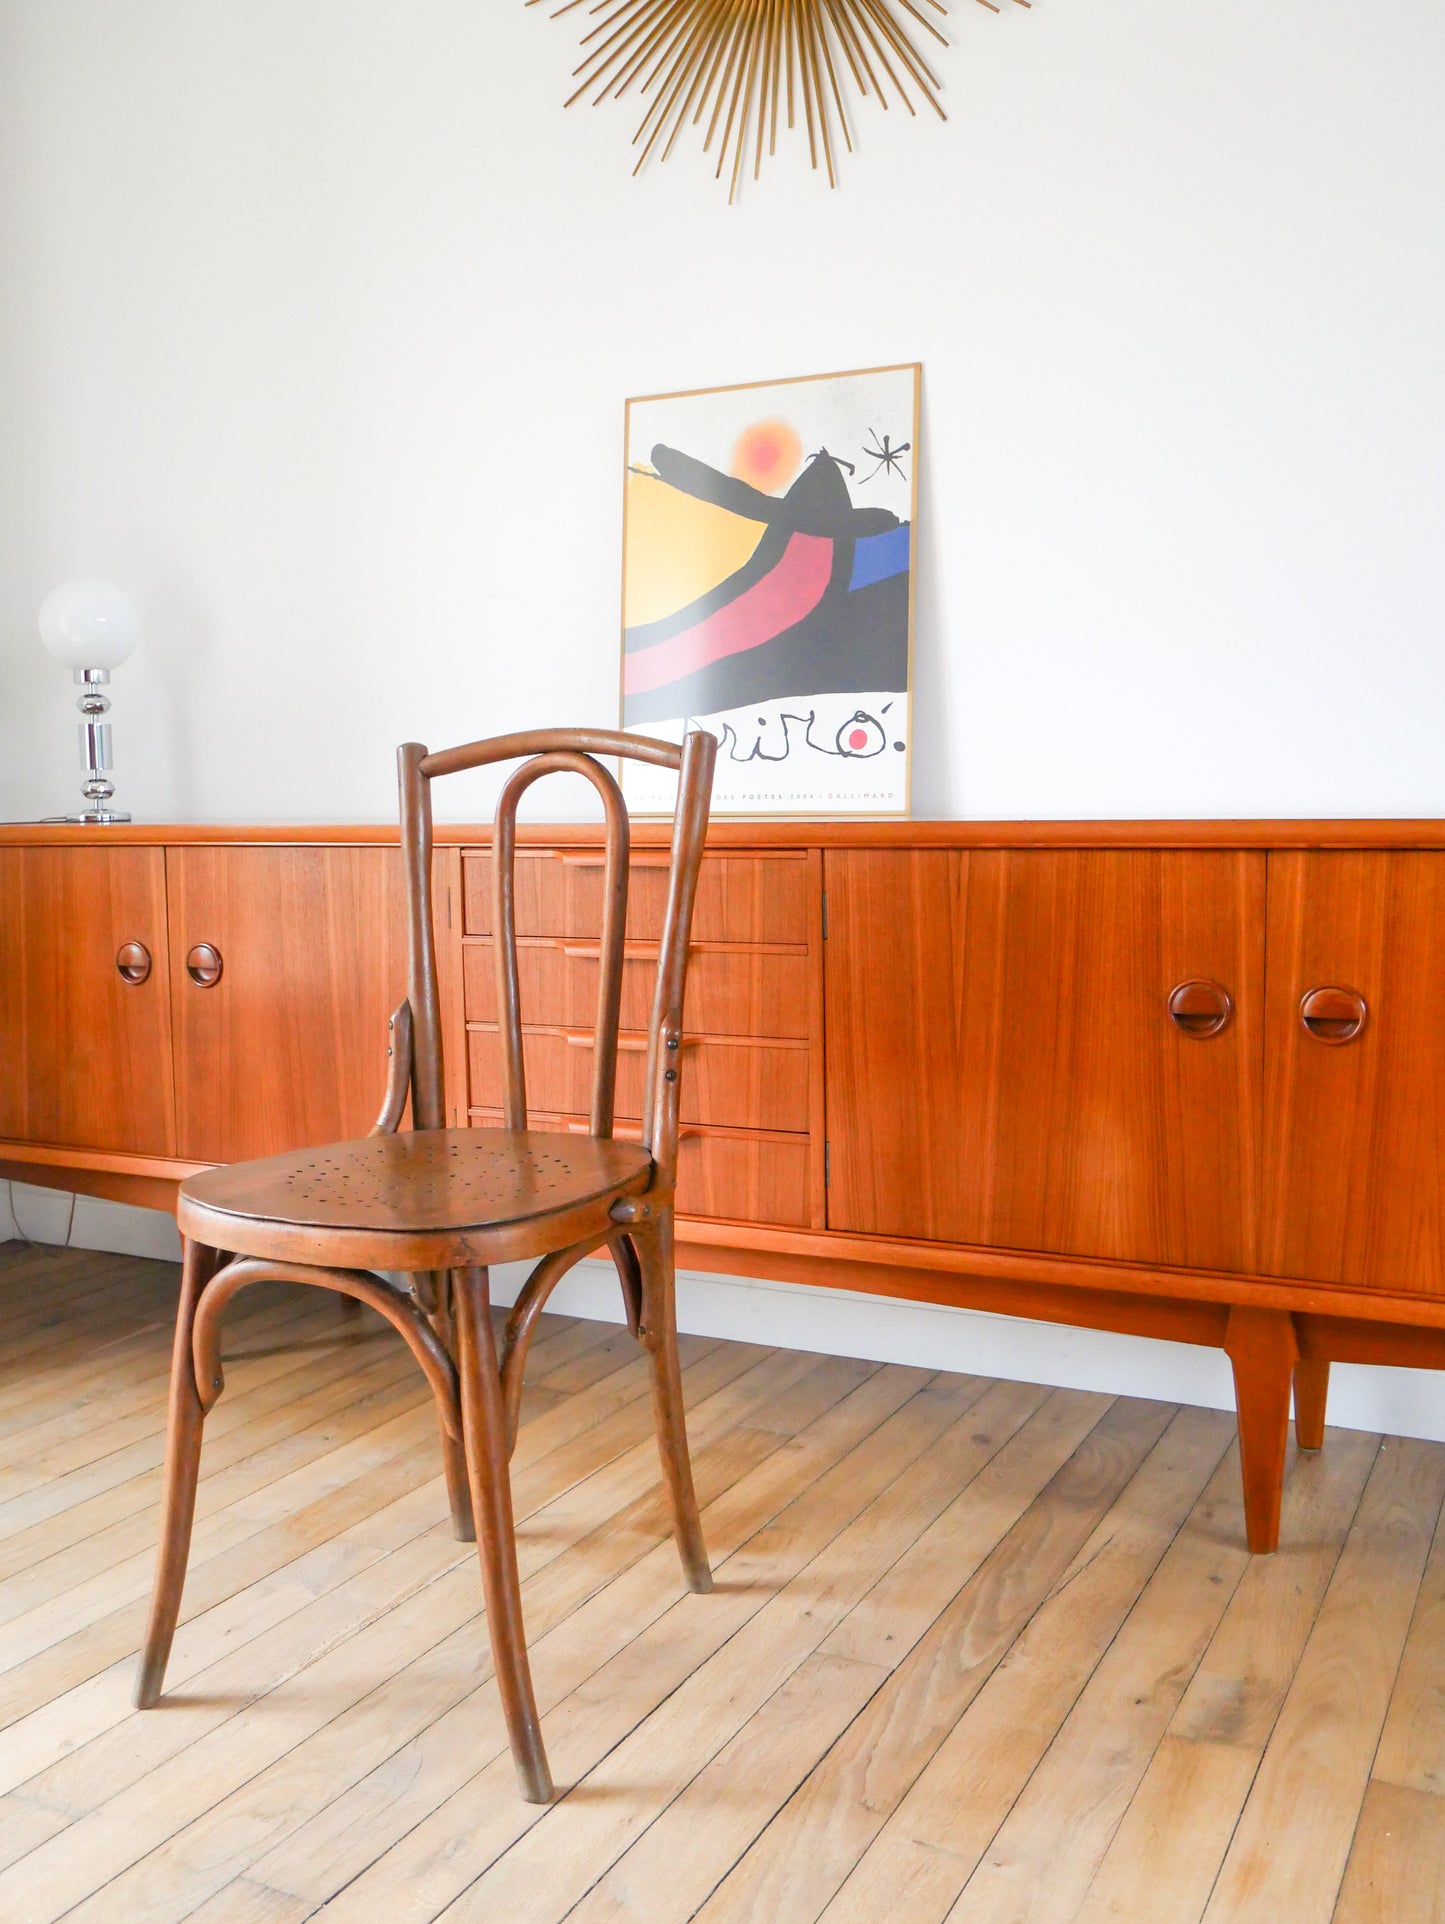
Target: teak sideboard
{"x":1176,"y":1079}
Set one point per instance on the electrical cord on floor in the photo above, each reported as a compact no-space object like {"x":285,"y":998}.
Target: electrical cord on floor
{"x":28,"y":1240}
{"x":19,"y":1226}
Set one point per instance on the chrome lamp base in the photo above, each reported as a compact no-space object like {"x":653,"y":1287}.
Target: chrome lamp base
{"x":97,"y":788}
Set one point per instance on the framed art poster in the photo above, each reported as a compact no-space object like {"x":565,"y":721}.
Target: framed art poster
{"x":767,"y":589}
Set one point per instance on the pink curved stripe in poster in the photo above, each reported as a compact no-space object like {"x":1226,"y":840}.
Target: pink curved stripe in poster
{"x":787,"y":592}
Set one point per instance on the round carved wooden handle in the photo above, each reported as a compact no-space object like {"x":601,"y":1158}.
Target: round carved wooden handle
{"x":1333,"y":1014}
{"x":133,"y":962}
{"x":203,"y":965}
{"x":1200,"y":1008}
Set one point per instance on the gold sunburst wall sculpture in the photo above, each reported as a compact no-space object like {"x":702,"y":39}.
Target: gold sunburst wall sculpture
{"x":734,"y":68}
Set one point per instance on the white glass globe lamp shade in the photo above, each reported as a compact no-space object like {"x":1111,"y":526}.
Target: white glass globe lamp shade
{"x":89,"y":624}
{"x":91,"y":627}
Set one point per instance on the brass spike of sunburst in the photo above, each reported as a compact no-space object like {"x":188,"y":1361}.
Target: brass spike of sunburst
{"x":727,"y":65}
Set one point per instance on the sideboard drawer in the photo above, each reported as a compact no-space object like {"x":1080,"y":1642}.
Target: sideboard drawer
{"x":733,"y":1176}
{"x":742,"y":1085}
{"x":740,"y":898}
{"x":730,"y":991}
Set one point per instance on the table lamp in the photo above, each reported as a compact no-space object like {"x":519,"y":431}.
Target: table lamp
{"x":91,"y":627}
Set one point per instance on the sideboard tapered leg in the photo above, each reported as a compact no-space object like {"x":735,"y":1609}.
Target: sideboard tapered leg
{"x":1262,"y":1347}
{"x":1311,"y":1393}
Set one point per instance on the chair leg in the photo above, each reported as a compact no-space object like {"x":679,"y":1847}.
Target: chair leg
{"x":178,"y":1497}
{"x":1263,"y":1350}
{"x":459,"y":1489}
{"x":1311,"y":1394}
{"x":629,"y":1274}
{"x":454,"y":1456}
{"x":484,"y":1425}
{"x":657,"y":1332}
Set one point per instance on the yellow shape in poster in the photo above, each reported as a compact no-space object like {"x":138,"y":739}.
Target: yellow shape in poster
{"x":677,"y":548}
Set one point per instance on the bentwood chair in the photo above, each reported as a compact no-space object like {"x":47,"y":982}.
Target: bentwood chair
{"x":438,"y":1205}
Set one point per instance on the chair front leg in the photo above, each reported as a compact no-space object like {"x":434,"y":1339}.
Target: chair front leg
{"x":657,"y":1332}
{"x":484,"y":1426}
{"x":178,"y":1493}
{"x":454,"y":1457}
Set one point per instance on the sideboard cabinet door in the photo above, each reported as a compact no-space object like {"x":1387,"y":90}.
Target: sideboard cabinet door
{"x":1354,"y":1163}
{"x":1002,"y":1065}
{"x":286,"y":1046}
{"x":85,"y":1049}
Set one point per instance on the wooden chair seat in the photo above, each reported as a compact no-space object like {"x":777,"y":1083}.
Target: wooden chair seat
{"x":420,"y":1199}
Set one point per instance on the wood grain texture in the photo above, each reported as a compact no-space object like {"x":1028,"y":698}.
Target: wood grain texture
{"x":419,"y":1180}
{"x":1288,"y":1854}
{"x":1086,"y":1778}
{"x":246,"y":1902}
{"x":288,"y":1048}
{"x":980,"y":1648}
{"x":739,"y":1082}
{"x":1412,"y":1743}
{"x":996,"y":1538}
{"x":1355,"y":1142}
{"x":755,"y":897}
{"x":735,"y":990}
{"x":752,"y":1142}
{"x":802,"y":1255}
{"x":1236,"y":1694}
{"x":1011,"y":1113}
{"x":1311,"y":1396}
{"x":822,"y":1416}
{"x":972,"y":1775}
{"x":1002,"y":1066}
{"x":817,"y":1041}
{"x":1403,"y":832}
{"x":1163,"y":1859}
{"x":894,"y":974}
{"x":1263,"y":1351}
{"x":1397,"y":1864}
{"x":720,"y":1172}
{"x":87,"y":1054}
{"x":96,"y":1178}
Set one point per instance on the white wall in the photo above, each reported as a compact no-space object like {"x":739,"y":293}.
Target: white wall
{"x":316,"y":322}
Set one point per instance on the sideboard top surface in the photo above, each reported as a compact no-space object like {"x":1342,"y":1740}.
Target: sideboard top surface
{"x":1427,"y":833}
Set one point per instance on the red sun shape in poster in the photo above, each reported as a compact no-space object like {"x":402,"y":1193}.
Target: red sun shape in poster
{"x":767,"y":455}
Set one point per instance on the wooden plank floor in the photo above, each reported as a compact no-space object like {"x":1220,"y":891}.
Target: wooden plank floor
{"x":979,"y":1651}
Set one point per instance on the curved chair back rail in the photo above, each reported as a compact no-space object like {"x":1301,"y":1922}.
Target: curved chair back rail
{"x":614,"y":923}
{"x":547,"y":741}
{"x":545,"y":752}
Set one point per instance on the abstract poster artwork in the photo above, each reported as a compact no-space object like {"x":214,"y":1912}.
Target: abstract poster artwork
{"x":767,"y":589}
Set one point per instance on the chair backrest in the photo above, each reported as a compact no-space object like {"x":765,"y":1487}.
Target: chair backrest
{"x":546,"y":752}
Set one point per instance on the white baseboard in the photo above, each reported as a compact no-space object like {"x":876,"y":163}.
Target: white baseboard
{"x":842,"y":1322}
{"x":43,"y":1215}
